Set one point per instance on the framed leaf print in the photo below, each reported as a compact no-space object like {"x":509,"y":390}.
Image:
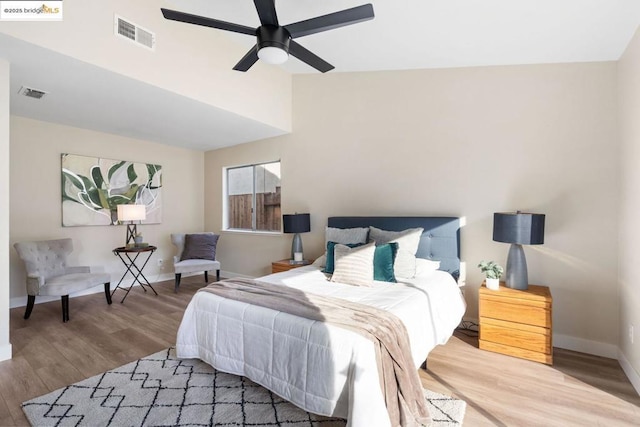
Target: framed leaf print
{"x":92,"y":189}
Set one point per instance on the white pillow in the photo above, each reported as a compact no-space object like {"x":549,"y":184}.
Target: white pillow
{"x":354,"y":266}
{"x":407,"y":240}
{"x":424,"y":267}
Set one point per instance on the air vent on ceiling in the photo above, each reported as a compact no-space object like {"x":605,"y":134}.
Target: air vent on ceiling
{"x":31,"y":92}
{"x":130,"y":31}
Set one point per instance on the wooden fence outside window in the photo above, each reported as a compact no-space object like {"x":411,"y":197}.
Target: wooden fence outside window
{"x":268,"y":211}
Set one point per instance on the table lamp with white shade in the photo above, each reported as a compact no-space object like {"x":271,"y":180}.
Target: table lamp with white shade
{"x":131,"y":213}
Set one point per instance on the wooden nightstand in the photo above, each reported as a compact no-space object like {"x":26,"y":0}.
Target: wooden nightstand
{"x":517,"y":323}
{"x":285,"y":265}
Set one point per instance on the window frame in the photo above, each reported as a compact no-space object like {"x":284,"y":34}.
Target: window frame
{"x":226,"y":195}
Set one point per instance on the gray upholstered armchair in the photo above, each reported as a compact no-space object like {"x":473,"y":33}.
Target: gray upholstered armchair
{"x":198,"y":255}
{"x":49,"y":274}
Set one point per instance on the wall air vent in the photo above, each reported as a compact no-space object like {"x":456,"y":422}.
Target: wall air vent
{"x":132,"y":32}
{"x":31,"y":92}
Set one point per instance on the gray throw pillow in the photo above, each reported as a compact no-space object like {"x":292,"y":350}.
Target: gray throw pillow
{"x":408,"y":241}
{"x":345,"y":235}
{"x":200,"y":246}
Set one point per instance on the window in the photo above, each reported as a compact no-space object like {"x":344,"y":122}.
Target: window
{"x":253,"y":197}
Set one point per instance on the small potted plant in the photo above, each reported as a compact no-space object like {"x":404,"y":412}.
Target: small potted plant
{"x":493,"y":272}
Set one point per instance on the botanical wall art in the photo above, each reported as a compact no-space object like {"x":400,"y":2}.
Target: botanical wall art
{"x":92,"y":188}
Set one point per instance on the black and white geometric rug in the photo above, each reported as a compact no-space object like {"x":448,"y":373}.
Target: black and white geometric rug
{"x":160,"y":390}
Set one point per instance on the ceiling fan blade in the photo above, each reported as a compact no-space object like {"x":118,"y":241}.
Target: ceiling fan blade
{"x":331,"y":21}
{"x":267,"y":12}
{"x":174,"y":15}
{"x":309,"y":57}
{"x":248,"y":60}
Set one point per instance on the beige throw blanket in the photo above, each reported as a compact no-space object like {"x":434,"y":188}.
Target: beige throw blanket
{"x":398,"y":377}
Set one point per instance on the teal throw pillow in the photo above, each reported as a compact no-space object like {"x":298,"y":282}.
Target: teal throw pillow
{"x":383,"y":260}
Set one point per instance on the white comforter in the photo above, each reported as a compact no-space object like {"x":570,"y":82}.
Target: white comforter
{"x":321,"y":368}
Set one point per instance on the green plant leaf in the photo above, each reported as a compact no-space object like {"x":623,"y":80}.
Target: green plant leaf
{"x":491,"y":269}
{"x":120,"y":200}
{"x":131,"y":193}
{"x":151,"y":170}
{"x":131,"y":174}
{"x":114,"y":168}
{"x":87,"y":201}
{"x":105,"y":201}
{"x":96,"y":174}
{"x":154,"y":170}
{"x":94,"y":195}
{"x":63,"y":184}
{"x":75,"y":181}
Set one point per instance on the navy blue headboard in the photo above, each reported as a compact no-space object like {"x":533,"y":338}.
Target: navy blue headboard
{"x":440,"y":240}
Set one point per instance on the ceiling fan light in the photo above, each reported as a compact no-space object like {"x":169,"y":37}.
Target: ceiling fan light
{"x":273,"y":55}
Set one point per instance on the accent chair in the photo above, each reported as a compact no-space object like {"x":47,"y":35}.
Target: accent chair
{"x":49,"y":274}
{"x":199,"y":257}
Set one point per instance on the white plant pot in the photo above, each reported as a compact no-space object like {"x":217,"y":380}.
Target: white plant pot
{"x":493,"y":284}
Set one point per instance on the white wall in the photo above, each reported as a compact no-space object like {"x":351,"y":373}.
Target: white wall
{"x":35,"y":202}
{"x":5,"y":346}
{"x":466,"y":142}
{"x":629,"y":107}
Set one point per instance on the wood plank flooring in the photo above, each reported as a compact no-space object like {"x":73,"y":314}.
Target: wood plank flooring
{"x":578,"y":390}
{"x":49,"y":354}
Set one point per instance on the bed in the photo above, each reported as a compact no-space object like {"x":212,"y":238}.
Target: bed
{"x":321,"y":368}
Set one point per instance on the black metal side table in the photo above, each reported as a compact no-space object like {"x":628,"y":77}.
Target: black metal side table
{"x":128,"y":256}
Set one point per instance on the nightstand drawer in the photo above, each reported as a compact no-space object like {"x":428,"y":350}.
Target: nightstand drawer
{"x":517,"y":322}
{"x":279,"y":268}
{"x":532,"y":338}
{"x":517,"y":352}
{"x":286,"y":265}
{"x":531,"y":314}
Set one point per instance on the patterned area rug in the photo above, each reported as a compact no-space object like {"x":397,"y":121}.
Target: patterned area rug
{"x":160,"y":390}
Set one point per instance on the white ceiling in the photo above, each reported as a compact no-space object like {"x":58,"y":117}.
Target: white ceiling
{"x":408,"y":34}
{"x":405,"y":34}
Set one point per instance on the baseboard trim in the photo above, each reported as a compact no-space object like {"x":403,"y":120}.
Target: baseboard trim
{"x":632,"y":374}
{"x":585,"y":346}
{"x":5,"y":352}
{"x":22,"y":300}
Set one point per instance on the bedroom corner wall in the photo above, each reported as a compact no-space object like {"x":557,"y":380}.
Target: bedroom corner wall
{"x":466,"y":142}
{"x":629,"y":237}
{"x":35,"y":202}
{"x":5,"y":345}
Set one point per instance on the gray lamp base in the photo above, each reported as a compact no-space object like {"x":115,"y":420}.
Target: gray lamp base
{"x":296,"y":245}
{"x":517,"y":275}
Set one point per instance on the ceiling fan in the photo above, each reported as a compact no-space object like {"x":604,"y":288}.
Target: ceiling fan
{"x":274,"y":41}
